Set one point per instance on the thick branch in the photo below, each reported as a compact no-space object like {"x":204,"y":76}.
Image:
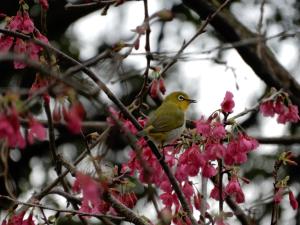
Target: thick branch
{"x":266,"y":67}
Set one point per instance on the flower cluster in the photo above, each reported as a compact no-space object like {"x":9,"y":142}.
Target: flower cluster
{"x":22,"y":23}
{"x":214,"y":139}
{"x":282,"y":106}
{"x":212,"y":143}
{"x":10,"y":129}
{"x":91,"y":192}
{"x":92,"y":195}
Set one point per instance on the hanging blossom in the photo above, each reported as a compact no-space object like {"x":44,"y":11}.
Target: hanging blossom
{"x":36,"y":131}
{"x":234,"y":189}
{"x":293,"y":200}
{"x":10,"y":128}
{"x":282,"y":107}
{"x":91,"y":191}
{"x":24,"y":24}
{"x":228,"y":103}
{"x":73,"y":116}
{"x":44,"y":4}
{"x":157,"y":86}
{"x":212,"y":142}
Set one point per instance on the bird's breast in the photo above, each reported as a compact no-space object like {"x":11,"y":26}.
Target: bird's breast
{"x":175,"y":133}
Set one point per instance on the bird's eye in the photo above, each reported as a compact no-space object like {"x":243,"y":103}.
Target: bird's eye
{"x":180,"y":98}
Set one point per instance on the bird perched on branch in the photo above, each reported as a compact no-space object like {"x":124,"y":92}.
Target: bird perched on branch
{"x":167,"y":122}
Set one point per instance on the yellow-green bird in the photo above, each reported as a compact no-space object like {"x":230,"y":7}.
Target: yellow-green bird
{"x":167,"y":122}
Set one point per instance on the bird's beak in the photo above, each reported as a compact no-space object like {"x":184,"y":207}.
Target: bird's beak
{"x":192,"y":101}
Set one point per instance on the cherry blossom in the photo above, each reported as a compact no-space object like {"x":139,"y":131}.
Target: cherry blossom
{"x":73,"y":117}
{"x":36,"y":130}
{"x":44,"y":4}
{"x":234,"y":189}
{"x":293,"y":200}
{"x":228,"y":103}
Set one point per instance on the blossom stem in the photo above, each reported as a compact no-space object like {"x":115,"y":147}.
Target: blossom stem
{"x":204,"y":196}
{"x":97,"y":215}
{"x":220,"y":165}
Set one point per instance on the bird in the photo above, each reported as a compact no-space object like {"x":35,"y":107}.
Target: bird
{"x":167,"y":122}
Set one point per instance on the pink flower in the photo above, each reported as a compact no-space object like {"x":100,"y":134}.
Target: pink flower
{"x":73,"y":117}
{"x":129,"y":199}
{"x":10,"y":129}
{"x":192,"y":159}
{"x":166,"y":186}
{"x":130,"y":127}
{"x":42,"y":38}
{"x":218,"y":131}
{"x":220,"y":221}
{"x":293,"y":200}
{"x":5,"y":43}
{"x":44,"y":4}
{"x":167,"y":199}
{"x":228,"y":103}
{"x":91,"y":193}
{"x":214,"y":151}
{"x":20,"y":48}
{"x":27,"y":26}
{"x":28,"y":221}
{"x":286,"y":113}
{"x":16,"y":219}
{"x":237,"y":149}
{"x":267,"y":108}
{"x":181,"y":173}
{"x":278,"y":196}
{"x":291,"y":114}
{"x":197,"y":201}
{"x":203,"y":127}
{"x":16,"y":22}
{"x":188,"y":190}
{"x":208,"y":170}
{"x":278,"y":106}
{"x":162,"y":87}
{"x":115,"y":115}
{"x":233,"y":188}
{"x":215,"y":193}
{"x":246,"y":143}
{"x":154,"y":88}
{"x":36,"y":130}
{"x":33,"y":51}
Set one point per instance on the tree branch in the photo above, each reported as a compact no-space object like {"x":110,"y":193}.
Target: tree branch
{"x":266,"y":67}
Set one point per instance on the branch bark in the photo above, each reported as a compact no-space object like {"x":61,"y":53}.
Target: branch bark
{"x":263,"y":63}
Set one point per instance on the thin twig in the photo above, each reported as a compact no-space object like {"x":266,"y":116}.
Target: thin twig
{"x":47,"y":189}
{"x":97,"y":215}
{"x":52,"y":146}
{"x":199,"y":32}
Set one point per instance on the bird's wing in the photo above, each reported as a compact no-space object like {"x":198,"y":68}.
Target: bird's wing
{"x":173,"y":119}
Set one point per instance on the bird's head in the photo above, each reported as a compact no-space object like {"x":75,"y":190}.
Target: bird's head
{"x":181,"y":99}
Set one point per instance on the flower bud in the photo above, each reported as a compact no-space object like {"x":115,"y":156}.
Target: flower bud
{"x":162,"y":86}
{"x":154,"y":88}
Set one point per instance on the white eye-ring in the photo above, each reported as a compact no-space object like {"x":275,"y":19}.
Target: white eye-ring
{"x":180,"y":98}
